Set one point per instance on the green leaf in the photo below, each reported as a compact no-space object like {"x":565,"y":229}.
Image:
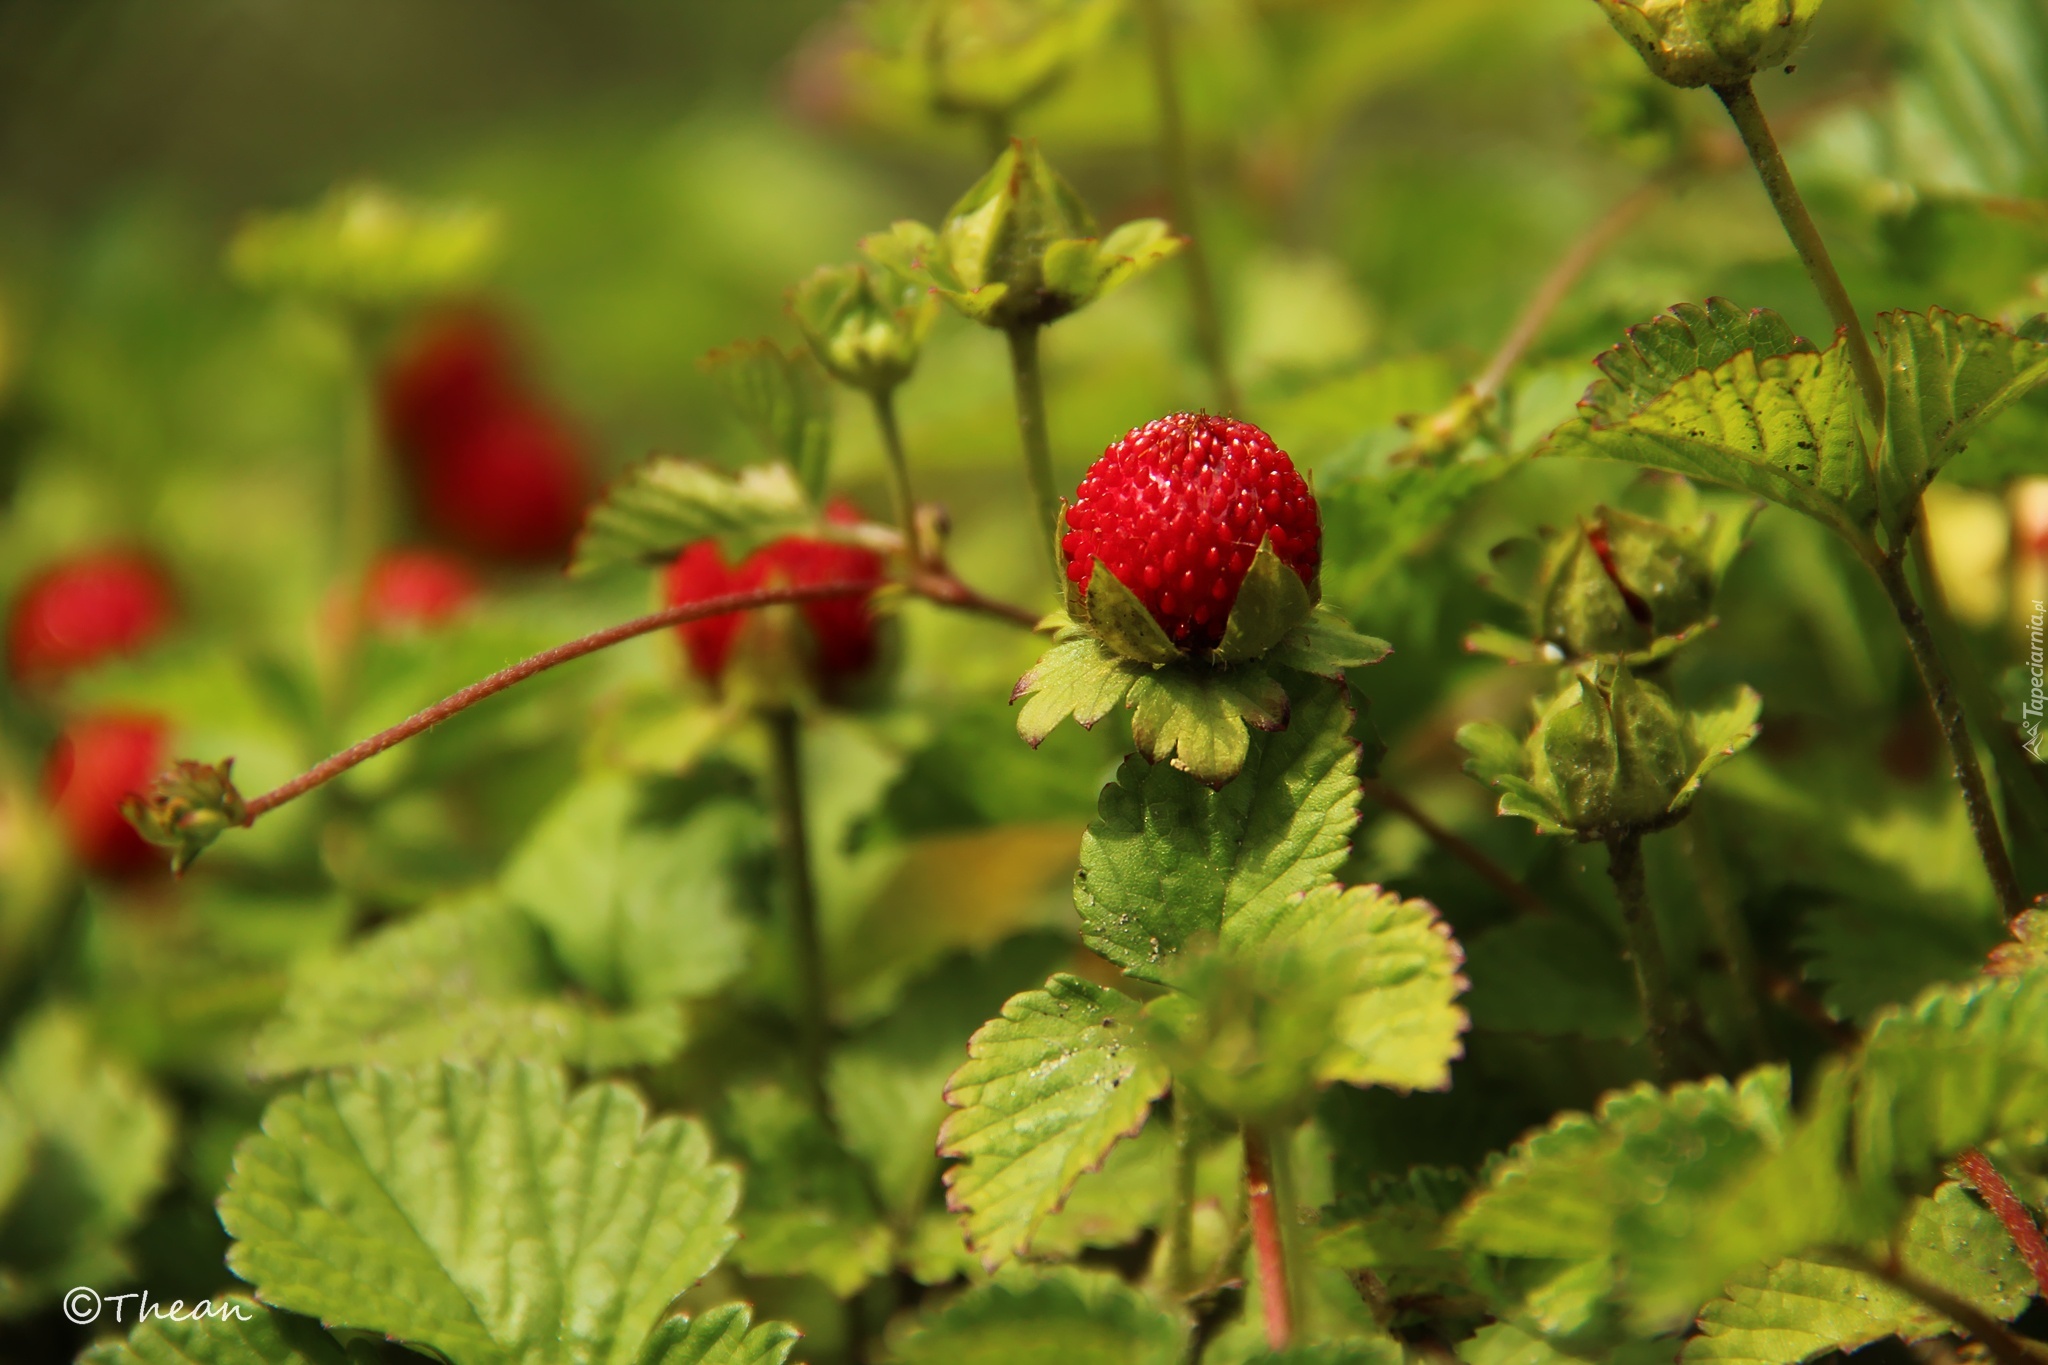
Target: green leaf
{"x":1552,"y":977}
{"x":807,"y":1210}
{"x":1047,"y":1090}
{"x":1756,"y":410}
{"x":83,"y":1145}
{"x":1506,"y":1343}
{"x":784,"y":397}
{"x":1946,"y":375}
{"x":466,"y":981}
{"x":1168,"y":858}
{"x":365,"y":246}
{"x":1325,"y":645}
{"x":658,"y":507}
{"x":1395,"y":1230}
{"x":236,"y":1331}
{"x":2028,"y":950}
{"x":484,"y":1214}
{"x":638,"y":909}
{"x":1802,"y":1308}
{"x":725,"y":1335}
{"x":1044,"y":1317}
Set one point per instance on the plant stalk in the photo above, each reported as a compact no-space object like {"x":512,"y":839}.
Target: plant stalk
{"x":884,"y":400}
{"x":1178,"y":166}
{"x":1645,"y":950}
{"x":1948,"y":713}
{"x":2019,"y":1221}
{"x":1180,"y":1260}
{"x":1029,"y":384}
{"x":1755,"y":131}
{"x":1266,"y":1199}
{"x":792,"y":837}
{"x":1989,"y":1332}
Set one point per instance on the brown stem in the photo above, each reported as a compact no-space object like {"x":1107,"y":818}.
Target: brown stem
{"x":1645,"y":950}
{"x":1451,"y":842}
{"x":2019,"y":1222}
{"x":1269,"y":1237}
{"x":1948,"y":712}
{"x":943,"y":589}
{"x":1180,"y":191}
{"x":2006,"y":1348}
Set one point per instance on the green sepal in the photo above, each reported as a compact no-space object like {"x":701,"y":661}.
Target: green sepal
{"x":363,"y":246}
{"x":662,"y":505}
{"x":1124,"y":625}
{"x":185,"y":808}
{"x":1271,"y":602}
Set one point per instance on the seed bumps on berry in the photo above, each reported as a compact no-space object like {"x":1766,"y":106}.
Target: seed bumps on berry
{"x":1177,"y":510}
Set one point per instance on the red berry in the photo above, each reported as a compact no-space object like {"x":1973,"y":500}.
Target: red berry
{"x":1177,"y":509}
{"x":416,"y":589}
{"x":456,"y":370}
{"x":98,"y":760}
{"x":842,"y":628}
{"x":512,"y":486}
{"x":82,"y":610}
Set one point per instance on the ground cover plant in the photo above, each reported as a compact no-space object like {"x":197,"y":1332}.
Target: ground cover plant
{"x":1225,"y":821}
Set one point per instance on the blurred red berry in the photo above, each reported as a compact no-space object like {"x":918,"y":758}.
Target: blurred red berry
{"x":416,"y":589}
{"x":843,"y":629}
{"x":98,"y":760}
{"x":2030,"y":517}
{"x":456,"y":370}
{"x":1177,"y":509}
{"x":82,"y":610}
{"x":510,"y":487}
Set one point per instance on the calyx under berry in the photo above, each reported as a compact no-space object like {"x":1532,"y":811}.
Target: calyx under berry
{"x":1194,"y":536}
{"x":1712,"y":42}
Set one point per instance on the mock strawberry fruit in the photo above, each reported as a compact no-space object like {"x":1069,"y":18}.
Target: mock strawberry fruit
{"x":97,"y":761}
{"x":455,"y":371}
{"x":844,"y":638}
{"x":511,"y":487}
{"x":86,"y":609}
{"x":416,"y":590}
{"x":1177,"y":509}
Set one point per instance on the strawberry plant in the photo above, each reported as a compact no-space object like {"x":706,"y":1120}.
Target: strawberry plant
{"x":1550,"y":862}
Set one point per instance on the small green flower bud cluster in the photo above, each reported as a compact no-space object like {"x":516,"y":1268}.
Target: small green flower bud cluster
{"x":866,"y":331}
{"x":1712,"y":42}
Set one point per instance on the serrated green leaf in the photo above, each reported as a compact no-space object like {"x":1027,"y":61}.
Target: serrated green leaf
{"x":726,"y":1335}
{"x":1200,"y":720}
{"x":1047,"y":1090}
{"x":1802,"y":1308}
{"x":235,"y":1331}
{"x":1077,"y":677}
{"x":639,"y":909}
{"x":460,"y":982}
{"x":1271,"y":602}
{"x":807,"y":1210}
{"x":784,"y":397}
{"x":1946,"y":375}
{"x":658,"y":507}
{"x":485,"y":1214}
{"x":1756,"y":411}
{"x":1044,"y":1317}
{"x":1506,"y":1343}
{"x":1168,"y":859}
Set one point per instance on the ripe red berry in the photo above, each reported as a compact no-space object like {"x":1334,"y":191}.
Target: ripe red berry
{"x":843,"y":629}
{"x":416,"y":589}
{"x":85,"y":609}
{"x":98,"y":760}
{"x":512,"y":486}
{"x":1177,"y":509}
{"x":456,"y":370}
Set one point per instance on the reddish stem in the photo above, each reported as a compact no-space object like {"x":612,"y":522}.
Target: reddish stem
{"x":2026,"y":1234}
{"x":1269,"y":1239}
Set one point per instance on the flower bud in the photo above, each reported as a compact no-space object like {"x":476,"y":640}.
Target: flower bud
{"x":1711,"y":42}
{"x":866,"y":331}
{"x":1019,"y":249}
{"x":186,"y":808}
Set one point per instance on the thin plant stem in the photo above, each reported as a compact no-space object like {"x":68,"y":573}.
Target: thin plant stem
{"x":1180,"y":1261}
{"x":1451,"y":842}
{"x":1762,"y":146}
{"x":884,"y":401}
{"x":942,"y":589}
{"x":1948,"y":713}
{"x":2019,"y":1221}
{"x":1031,"y":431}
{"x":1265,"y":1198}
{"x":1724,"y":923}
{"x":792,"y":837}
{"x":1178,"y":166}
{"x":1989,"y":1332}
{"x":1645,"y":950}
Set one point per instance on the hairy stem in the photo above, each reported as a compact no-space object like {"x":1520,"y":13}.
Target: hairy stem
{"x":1178,"y":166}
{"x":884,"y":400}
{"x":1730,"y":934}
{"x":1989,"y":1332}
{"x":1031,"y":430}
{"x":1948,"y":713}
{"x":1451,"y":842}
{"x":942,"y":589}
{"x":2019,"y":1222}
{"x":792,"y":838}
{"x":1645,"y":950}
{"x":1180,"y":1235}
{"x":1266,"y":1199}
{"x":1806,"y":239}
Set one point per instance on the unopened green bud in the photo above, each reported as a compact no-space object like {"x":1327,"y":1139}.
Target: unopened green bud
{"x":1712,"y":42}
{"x":364,"y":246}
{"x":865,"y":330}
{"x":186,"y":809}
{"x":1019,"y":249}
{"x":993,"y":58}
